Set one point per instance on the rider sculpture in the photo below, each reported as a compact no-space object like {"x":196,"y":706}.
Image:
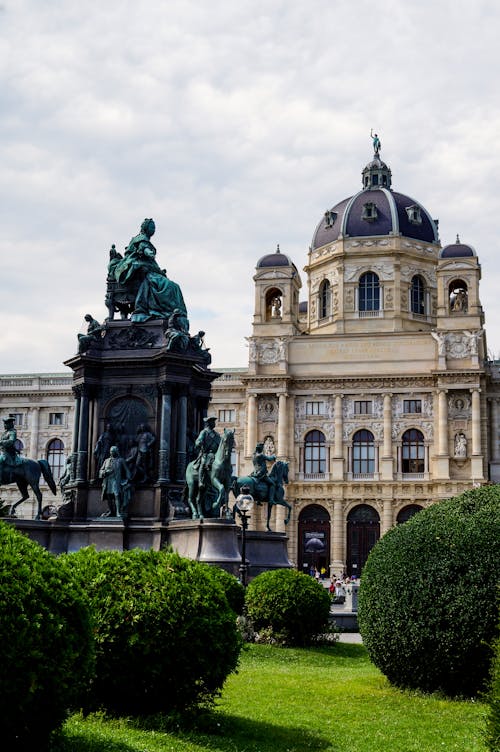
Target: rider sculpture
{"x":260,"y":473}
{"x":207,"y":444}
{"x":23,"y":472}
{"x":9,"y":455}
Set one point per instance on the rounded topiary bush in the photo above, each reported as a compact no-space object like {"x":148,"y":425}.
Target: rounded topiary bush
{"x":427,"y":607}
{"x":234,"y":590}
{"x":46,"y":638}
{"x":290,"y":606}
{"x":493,"y":698}
{"x":166,"y":637}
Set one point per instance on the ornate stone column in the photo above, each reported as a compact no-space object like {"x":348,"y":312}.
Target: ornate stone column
{"x":338,"y":538}
{"x":476,"y":421}
{"x":165,"y":425}
{"x":251,"y":424}
{"x":387,"y":516}
{"x":477,"y":468}
{"x":386,"y":463}
{"x":338,"y":445}
{"x":283,"y":426}
{"x":181,"y":437}
{"x":35,"y":426}
{"x":76,"y":429}
{"x":442,"y":459}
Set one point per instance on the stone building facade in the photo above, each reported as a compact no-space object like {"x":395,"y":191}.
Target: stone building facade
{"x":375,"y":388}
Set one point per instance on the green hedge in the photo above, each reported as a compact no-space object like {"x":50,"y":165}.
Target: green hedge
{"x":427,"y":609}
{"x":290,"y":607}
{"x":493,"y":720}
{"x":166,"y":637}
{"x":46,"y":638}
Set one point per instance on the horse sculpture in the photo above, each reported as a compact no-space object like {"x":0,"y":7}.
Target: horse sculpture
{"x":28,"y":474}
{"x":279,"y":474}
{"x":207,"y":502}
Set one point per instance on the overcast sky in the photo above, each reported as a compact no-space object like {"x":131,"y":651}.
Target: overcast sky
{"x":234,"y":124}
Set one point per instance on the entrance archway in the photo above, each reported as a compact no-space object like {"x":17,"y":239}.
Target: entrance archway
{"x":314,"y":539}
{"x":363,"y":531}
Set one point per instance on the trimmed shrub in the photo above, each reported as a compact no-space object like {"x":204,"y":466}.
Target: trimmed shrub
{"x":166,"y":637}
{"x":291,"y":607}
{"x":427,"y":607}
{"x":234,"y":590}
{"x":493,"y":720}
{"x":46,"y":638}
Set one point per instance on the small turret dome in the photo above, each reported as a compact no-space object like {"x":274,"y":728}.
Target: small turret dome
{"x":457,"y":250}
{"x":274,"y":259}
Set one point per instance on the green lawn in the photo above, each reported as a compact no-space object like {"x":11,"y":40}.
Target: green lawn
{"x":288,"y":700}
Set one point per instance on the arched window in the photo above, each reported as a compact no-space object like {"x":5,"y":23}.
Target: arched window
{"x":417,"y":295}
{"x":406,"y":513}
{"x":363,"y":452}
{"x":369,"y":292}
{"x":325,"y":297}
{"x":274,"y":302}
{"x":314,"y":453}
{"x":412,"y":452}
{"x":19,"y":446}
{"x":55,"y":457}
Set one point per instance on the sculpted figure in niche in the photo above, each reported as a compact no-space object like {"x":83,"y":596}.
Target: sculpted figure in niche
{"x":116,"y":488}
{"x":460,"y":445}
{"x":458,"y":300}
{"x":276,"y":307}
{"x":140,"y":459}
{"x":103,"y":445}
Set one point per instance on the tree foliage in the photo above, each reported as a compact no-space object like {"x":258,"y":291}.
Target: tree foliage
{"x":166,"y":637}
{"x":290,"y":606}
{"x":46,"y":638}
{"x":427,"y":606}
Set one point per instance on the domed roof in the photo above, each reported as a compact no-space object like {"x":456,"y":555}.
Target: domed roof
{"x":274,"y":259}
{"x":376,"y":210}
{"x":457,"y":250}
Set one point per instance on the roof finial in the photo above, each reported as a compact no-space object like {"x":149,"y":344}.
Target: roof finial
{"x":457,"y":241}
{"x":376,"y":142}
{"x":278,"y":248}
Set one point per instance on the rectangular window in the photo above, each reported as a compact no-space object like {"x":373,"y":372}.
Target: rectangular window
{"x":315,"y":408}
{"x":56,"y":419}
{"x":412,"y":406}
{"x":18,"y":418}
{"x":227,"y":416}
{"x":363,"y":407}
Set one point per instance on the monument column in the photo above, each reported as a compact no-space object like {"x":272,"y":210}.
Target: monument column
{"x":83,"y":436}
{"x":283,"y":426}
{"x":76,"y":428}
{"x":165,"y":423}
{"x":338,"y":537}
{"x":338,"y":454}
{"x":251,"y":424}
{"x":181,"y":437}
{"x":477,"y":470}
{"x":442,"y":460}
{"x":35,"y":425}
{"x":386,"y":462}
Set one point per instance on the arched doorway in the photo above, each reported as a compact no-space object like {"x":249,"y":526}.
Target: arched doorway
{"x":363,"y":531}
{"x":314,"y":539}
{"x":407,"y":512}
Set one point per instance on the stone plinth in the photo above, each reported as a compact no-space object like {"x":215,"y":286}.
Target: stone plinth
{"x":214,"y":541}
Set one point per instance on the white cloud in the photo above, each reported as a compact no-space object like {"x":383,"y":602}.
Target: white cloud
{"x":235,"y":125}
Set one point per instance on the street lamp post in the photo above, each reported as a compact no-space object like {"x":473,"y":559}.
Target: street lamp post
{"x":243,"y":507}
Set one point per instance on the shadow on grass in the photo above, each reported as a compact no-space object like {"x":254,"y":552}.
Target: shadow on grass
{"x":221,"y":732}
{"x":86,"y":741}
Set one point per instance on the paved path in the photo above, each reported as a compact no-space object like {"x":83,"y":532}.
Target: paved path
{"x":354,"y":638}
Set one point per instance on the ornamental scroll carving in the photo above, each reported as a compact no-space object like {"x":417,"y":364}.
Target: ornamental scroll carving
{"x":271,"y":351}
